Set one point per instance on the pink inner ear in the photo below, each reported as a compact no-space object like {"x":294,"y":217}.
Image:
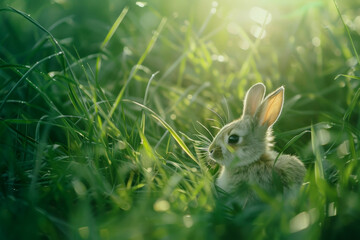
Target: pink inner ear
{"x":272,"y":109}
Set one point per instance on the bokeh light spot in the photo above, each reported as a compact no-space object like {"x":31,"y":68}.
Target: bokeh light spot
{"x":324,"y":136}
{"x":300,"y":222}
{"x":188,"y":221}
{"x":316,"y":41}
{"x":161,"y":205}
{"x":260,"y":16}
{"x":79,"y":187}
{"x":141,"y":4}
{"x":258,"y":32}
{"x":84,"y":232}
{"x":244,"y":45}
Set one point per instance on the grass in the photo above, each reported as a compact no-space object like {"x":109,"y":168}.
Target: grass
{"x":106,"y":109}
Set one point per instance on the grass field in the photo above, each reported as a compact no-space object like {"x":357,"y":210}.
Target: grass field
{"x":106,"y":108}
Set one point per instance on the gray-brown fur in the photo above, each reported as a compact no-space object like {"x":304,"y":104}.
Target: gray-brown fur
{"x":289,"y":170}
{"x":243,"y":149}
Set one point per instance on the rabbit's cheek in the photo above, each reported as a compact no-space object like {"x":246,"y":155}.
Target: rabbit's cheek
{"x":233,"y":148}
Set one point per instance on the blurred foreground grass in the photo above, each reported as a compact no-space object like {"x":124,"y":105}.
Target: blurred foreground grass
{"x":105,"y":107}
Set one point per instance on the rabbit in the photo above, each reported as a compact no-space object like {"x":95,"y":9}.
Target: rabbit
{"x":243,"y":148}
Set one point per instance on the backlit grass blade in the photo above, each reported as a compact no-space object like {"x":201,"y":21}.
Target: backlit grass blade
{"x":114,"y":27}
{"x":353,"y":104}
{"x":136,"y":67}
{"x":348,"y":32}
{"x":145,"y":100}
{"x":110,"y":35}
{"x":319,"y":171}
{"x":38,"y":25}
{"x":347,"y":76}
{"x":206,"y":22}
{"x":26,"y":75}
{"x":42,"y":140}
{"x":176,"y":137}
{"x":291,"y":142}
{"x":169,"y":128}
{"x":148,"y":87}
{"x":29,"y":18}
{"x":172,"y":68}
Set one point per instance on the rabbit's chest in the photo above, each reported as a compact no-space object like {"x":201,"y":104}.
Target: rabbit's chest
{"x":259,"y":174}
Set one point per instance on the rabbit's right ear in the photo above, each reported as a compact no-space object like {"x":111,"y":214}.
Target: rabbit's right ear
{"x":253,"y":99}
{"x":270,"y":109}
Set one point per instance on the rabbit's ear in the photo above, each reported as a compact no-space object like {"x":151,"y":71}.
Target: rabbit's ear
{"x":253,"y":99}
{"x":270,"y":109}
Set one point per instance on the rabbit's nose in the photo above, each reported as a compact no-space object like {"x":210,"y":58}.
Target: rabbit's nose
{"x":211,"y":149}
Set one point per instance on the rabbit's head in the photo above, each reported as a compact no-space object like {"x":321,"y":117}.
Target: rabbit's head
{"x":243,"y":141}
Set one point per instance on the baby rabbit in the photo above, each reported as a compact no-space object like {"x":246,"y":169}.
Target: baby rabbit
{"x":243,"y":148}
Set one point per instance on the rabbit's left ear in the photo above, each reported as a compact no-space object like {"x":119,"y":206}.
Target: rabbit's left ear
{"x":270,"y":109}
{"x":253,"y":99}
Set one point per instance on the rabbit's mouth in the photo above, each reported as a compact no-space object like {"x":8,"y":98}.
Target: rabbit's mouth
{"x":215,"y":153}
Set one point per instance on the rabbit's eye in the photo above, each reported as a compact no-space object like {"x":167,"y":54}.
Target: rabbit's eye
{"x":233,"y":139}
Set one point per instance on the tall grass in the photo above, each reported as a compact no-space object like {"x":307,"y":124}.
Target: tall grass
{"x":107,"y":108}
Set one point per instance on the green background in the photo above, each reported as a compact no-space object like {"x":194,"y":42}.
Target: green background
{"x":107,"y":108}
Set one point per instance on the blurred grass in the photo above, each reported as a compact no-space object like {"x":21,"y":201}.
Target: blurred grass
{"x":106,"y":106}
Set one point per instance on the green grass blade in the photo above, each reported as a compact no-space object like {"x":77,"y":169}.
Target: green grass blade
{"x":26,"y":75}
{"x":347,"y":76}
{"x":148,"y":88}
{"x":176,"y":137}
{"x":57,"y":44}
{"x":136,"y":67}
{"x":27,"y":16}
{"x":145,"y":100}
{"x":110,"y":34}
{"x":291,"y":142}
{"x":319,"y":170}
{"x":347,"y":31}
{"x":169,"y":128}
{"x":114,"y":27}
{"x":353,"y":104}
